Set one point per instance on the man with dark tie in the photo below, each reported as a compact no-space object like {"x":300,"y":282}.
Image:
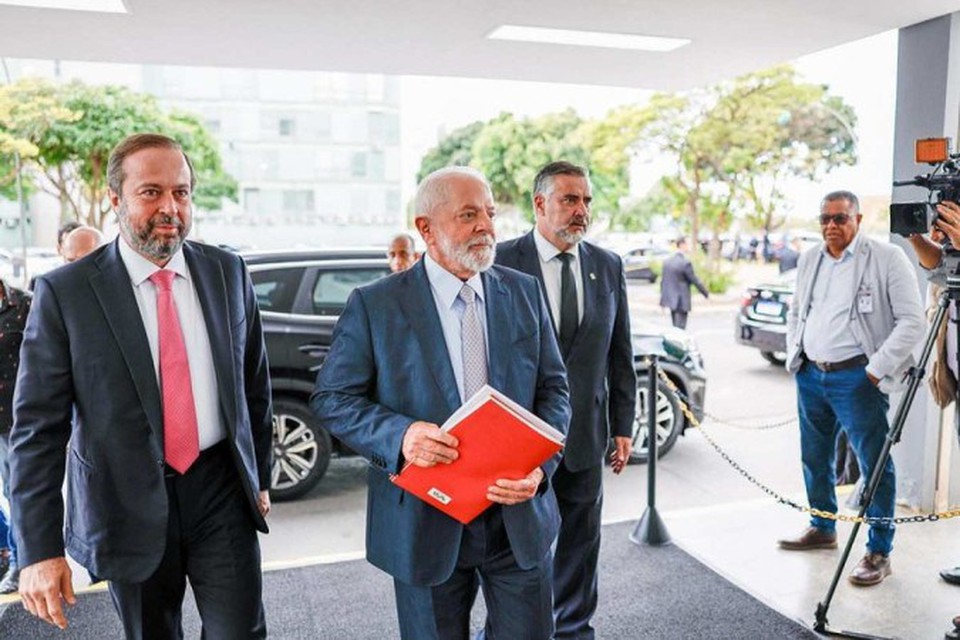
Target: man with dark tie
{"x":587,"y":292}
{"x":407,"y":352}
{"x":148,"y":359}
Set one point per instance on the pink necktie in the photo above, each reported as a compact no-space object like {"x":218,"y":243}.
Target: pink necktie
{"x":181,"y":441}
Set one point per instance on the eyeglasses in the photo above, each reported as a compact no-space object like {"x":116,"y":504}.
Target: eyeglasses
{"x":838,"y":219}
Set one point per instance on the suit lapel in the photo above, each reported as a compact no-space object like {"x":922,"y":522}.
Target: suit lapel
{"x":114,"y":292}
{"x":860,"y":259}
{"x":530,"y":263}
{"x":588,"y":285}
{"x":420,"y":310}
{"x":207,"y":276}
{"x":497,"y":306}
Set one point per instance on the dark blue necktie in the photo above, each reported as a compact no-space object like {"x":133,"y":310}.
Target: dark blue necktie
{"x":569,"y":315}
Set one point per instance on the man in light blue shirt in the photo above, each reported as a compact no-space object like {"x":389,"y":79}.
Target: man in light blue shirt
{"x":407,"y":351}
{"x":850,"y":334}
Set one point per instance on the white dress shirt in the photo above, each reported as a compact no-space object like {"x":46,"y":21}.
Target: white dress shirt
{"x":446,"y":295}
{"x":551,"y":267}
{"x":827,"y":336}
{"x":203,"y":376}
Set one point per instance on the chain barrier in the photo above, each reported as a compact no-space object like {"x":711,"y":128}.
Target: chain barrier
{"x":743,"y":427}
{"x":685,"y":409}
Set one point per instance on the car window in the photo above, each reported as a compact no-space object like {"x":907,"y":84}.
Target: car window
{"x":276,"y":288}
{"x":333,"y":287}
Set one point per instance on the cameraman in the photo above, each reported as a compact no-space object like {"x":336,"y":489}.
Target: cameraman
{"x":930,"y":254}
{"x":930,"y":250}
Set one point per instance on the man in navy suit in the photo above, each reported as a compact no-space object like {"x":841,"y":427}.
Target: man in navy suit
{"x":147,"y":358}
{"x":407,"y":352}
{"x":587,"y":292}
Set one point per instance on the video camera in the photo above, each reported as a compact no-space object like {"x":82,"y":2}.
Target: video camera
{"x":943,"y":183}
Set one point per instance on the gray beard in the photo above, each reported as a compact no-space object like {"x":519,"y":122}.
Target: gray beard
{"x":465,"y":258}
{"x":570,"y":237}
{"x":145,"y":243}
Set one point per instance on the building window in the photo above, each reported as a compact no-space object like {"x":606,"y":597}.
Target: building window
{"x":358,"y":165}
{"x":287,"y":127}
{"x":299,"y":200}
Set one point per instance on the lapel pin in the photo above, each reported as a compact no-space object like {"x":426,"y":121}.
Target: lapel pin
{"x":593,"y":276}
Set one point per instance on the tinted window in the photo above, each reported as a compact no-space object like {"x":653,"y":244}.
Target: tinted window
{"x":333,"y":287}
{"x":276,"y":288}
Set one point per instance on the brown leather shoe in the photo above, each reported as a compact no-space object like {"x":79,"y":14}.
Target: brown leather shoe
{"x":810,"y":538}
{"x":871,"y":570}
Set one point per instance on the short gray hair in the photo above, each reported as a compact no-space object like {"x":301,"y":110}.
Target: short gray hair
{"x":849,"y":196}
{"x":543,"y":182}
{"x":434,"y":191}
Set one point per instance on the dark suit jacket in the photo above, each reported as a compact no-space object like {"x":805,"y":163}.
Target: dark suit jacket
{"x":603,"y":384}
{"x":389,"y":367}
{"x":675,"y":283}
{"x":788,"y":259}
{"x":13,"y":318}
{"x":85,"y":350}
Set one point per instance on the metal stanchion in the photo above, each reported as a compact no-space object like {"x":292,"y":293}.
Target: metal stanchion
{"x":651,"y":529}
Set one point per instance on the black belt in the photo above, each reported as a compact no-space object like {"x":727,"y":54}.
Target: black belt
{"x":855,"y":361}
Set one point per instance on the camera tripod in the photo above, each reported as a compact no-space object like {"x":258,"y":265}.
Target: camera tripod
{"x":915,"y":375}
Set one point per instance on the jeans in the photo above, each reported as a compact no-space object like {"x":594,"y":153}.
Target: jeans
{"x":6,"y":528}
{"x":846,"y":398}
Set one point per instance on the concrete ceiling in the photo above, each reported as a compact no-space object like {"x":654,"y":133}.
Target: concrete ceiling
{"x":448,"y":37}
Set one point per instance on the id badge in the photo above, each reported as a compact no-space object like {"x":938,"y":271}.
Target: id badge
{"x":865,"y":302}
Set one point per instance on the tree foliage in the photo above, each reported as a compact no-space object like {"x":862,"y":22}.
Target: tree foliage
{"x":734,"y":145}
{"x":67,"y":132}
{"x":738,"y":141}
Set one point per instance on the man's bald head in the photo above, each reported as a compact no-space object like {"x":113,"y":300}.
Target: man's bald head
{"x":80,"y":242}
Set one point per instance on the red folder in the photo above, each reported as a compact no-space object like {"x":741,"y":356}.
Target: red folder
{"x":498,"y":439}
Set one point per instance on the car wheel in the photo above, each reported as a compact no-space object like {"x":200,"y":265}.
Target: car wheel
{"x":301,"y":450}
{"x":778,"y":358}
{"x":669,"y":422}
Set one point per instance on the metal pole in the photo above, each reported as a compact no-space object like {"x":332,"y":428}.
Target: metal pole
{"x":916,"y":375}
{"x":18,"y":169}
{"x":651,"y":529}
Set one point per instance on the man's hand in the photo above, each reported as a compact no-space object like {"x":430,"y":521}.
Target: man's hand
{"x":263,"y":503}
{"x":948,"y":221}
{"x":515,"y":491}
{"x":874,"y":380}
{"x":425,"y":445}
{"x":43,"y":585}
{"x":620,"y":455}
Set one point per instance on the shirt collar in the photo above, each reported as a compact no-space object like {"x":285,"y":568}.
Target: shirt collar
{"x":547,"y":251}
{"x":447,"y":285}
{"x":848,"y":252}
{"x":140,"y":269}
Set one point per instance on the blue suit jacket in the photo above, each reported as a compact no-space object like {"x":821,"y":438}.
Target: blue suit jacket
{"x":389,"y":367}
{"x":87,"y":377}
{"x":603,"y":383}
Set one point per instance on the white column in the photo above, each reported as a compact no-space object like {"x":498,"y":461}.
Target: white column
{"x":928,"y":105}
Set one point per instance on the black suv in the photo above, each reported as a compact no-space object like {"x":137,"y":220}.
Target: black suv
{"x":301,"y":295}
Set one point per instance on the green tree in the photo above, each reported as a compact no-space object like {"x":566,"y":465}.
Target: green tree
{"x":72,"y":152}
{"x":736,"y":142}
{"x":455,"y":149}
{"x":510,"y":151}
{"x":27,"y":110}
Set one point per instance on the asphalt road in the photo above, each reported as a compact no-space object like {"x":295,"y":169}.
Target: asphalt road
{"x":742,"y":389}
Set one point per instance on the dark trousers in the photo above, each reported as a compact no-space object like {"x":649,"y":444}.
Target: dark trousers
{"x":679,"y":318}
{"x":211,"y":539}
{"x":580,"y":498}
{"x":518,"y":600}
{"x":6,"y":522}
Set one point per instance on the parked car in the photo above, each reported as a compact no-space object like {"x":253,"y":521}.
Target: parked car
{"x":301,"y":295}
{"x":637,"y":265}
{"x":762,"y":319}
